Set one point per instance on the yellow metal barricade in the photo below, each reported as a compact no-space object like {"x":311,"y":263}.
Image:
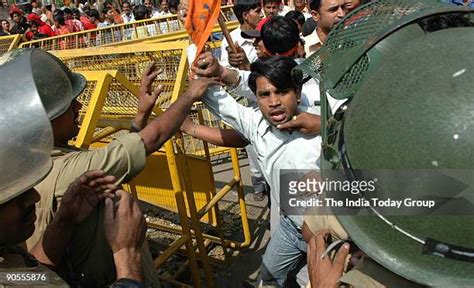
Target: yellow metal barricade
{"x":185,"y":182}
{"x":131,"y":61}
{"x":166,"y":28}
{"x":9,"y":42}
{"x":180,"y":35}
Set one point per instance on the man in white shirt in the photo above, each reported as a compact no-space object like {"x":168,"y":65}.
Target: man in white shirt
{"x":248,"y":13}
{"x":127,"y":14}
{"x":326,"y":13}
{"x":165,"y":9}
{"x":151,"y":6}
{"x":276,"y":96}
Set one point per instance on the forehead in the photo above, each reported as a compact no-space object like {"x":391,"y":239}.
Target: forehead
{"x":272,"y":4}
{"x":325,"y":4}
{"x":264,"y":84}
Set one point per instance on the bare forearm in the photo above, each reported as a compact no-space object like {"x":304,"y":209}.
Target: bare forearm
{"x":163,"y":127}
{"x":128,"y":263}
{"x":51,"y":248}
{"x":141,"y":119}
{"x":217,"y":136}
{"x":229,"y":77}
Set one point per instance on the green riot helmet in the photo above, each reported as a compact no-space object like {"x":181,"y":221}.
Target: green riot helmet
{"x":26,"y":137}
{"x":406,"y":73}
{"x":54,"y":82}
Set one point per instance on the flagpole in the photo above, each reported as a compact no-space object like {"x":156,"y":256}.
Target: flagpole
{"x":227,"y":36}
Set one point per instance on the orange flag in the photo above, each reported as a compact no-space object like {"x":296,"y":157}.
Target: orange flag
{"x":201,"y":18}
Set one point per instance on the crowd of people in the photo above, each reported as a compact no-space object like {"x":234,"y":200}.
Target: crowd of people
{"x":35,"y":21}
{"x":91,"y":233}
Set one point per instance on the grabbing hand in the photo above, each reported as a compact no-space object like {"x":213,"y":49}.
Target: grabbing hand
{"x":306,"y":123}
{"x":323,"y":271}
{"x":198,"y":87}
{"x":84,"y":194}
{"x":207,"y":66}
{"x":238,"y":59}
{"x":147,"y":97}
{"x":124,"y":228}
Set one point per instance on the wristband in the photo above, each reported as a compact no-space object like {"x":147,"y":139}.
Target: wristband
{"x":134,"y":128}
{"x":127,"y":283}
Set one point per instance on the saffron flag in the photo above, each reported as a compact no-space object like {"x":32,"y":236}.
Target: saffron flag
{"x":201,"y":18}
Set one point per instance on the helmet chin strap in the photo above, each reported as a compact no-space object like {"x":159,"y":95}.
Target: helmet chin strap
{"x":430,"y":246}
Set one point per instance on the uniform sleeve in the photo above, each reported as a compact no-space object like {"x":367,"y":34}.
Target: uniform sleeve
{"x":318,"y":220}
{"x":221,"y":104}
{"x":124,"y":158}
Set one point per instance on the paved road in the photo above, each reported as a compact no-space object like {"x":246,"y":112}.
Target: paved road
{"x":245,"y":266}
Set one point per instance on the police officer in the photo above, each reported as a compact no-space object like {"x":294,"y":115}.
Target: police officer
{"x":91,"y":259}
{"x":26,"y":141}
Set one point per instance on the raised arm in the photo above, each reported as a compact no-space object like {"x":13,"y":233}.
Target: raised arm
{"x":163,"y":127}
{"x":147,"y":97}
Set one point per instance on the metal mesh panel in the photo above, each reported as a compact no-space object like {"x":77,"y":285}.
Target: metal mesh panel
{"x":120,"y":104}
{"x":359,"y":29}
{"x":369,"y":21}
{"x":132,"y":66}
{"x":350,"y":82}
{"x":85,"y":97}
{"x":8,"y":42}
{"x":116,"y":34}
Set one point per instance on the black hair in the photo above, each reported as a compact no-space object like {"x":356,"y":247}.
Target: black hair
{"x":27,"y":8}
{"x":67,"y":10}
{"x":48,"y":7}
{"x":296,"y":15}
{"x":277,"y":69}
{"x":173,"y":4}
{"x":75,"y":11}
{"x":140,"y":12}
{"x":60,"y":19}
{"x":106,"y":9}
{"x":93,"y":13}
{"x":271,"y":1}
{"x":314,"y":5}
{"x":126,"y":2}
{"x":241,"y":6}
{"x":280,"y":34}
{"x":58,"y":12}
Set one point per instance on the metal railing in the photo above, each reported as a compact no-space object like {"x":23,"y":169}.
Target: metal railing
{"x":8,"y":43}
{"x":162,"y":27}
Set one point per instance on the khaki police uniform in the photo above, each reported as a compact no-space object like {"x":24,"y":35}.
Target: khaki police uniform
{"x":90,"y":260}
{"x":18,"y":268}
